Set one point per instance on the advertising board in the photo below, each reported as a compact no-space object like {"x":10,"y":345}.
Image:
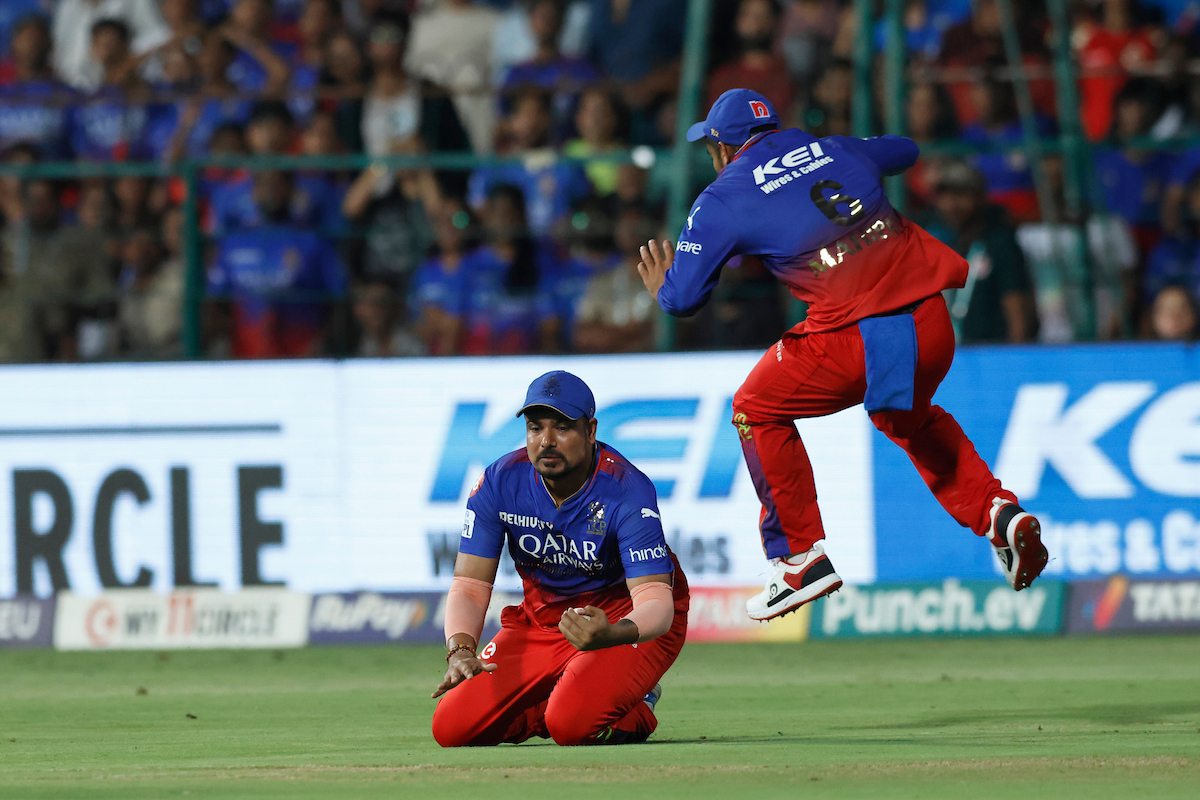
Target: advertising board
{"x":1101,"y":442}
{"x":352,"y":476}
{"x":1121,"y":605}
{"x":335,"y":477}
{"x":391,"y":617}
{"x":141,"y":619}
{"x":952,"y":607}
{"x":26,"y":622}
{"x":718,"y":614}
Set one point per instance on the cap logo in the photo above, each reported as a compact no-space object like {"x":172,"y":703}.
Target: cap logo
{"x":551,"y":387}
{"x":713,"y":131}
{"x":760,"y":109}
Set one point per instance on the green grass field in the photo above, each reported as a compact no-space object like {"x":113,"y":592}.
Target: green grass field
{"x":1028,"y":718}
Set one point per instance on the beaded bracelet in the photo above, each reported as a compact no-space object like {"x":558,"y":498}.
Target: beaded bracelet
{"x":458,"y":647}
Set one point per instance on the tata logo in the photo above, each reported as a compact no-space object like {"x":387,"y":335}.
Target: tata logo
{"x":791,"y":159}
{"x":1164,"y":446}
{"x":689,"y":247}
{"x":468,"y":445}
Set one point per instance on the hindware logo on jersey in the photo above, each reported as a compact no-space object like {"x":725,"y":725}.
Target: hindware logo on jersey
{"x":807,"y":158}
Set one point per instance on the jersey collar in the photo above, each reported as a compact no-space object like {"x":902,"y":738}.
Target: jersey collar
{"x":582,"y":490}
{"x":752,"y":141}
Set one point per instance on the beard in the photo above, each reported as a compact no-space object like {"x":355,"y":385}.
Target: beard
{"x":560,"y":470}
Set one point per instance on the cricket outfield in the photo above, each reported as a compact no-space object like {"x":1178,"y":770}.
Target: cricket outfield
{"x":1059,"y":718}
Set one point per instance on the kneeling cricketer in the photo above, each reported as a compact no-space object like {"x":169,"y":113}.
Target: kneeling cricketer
{"x":605,"y":608}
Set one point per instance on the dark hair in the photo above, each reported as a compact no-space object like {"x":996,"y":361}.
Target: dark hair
{"x":757,"y":129}
{"x":226,"y":128}
{"x":39,"y":21}
{"x":392,"y":17}
{"x":266,"y":110}
{"x":523,"y":272}
{"x":23,"y":148}
{"x":1147,"y":92}
{"x":335,"y":6}
{"x":776,"y":7}
{"x":115,"y":25}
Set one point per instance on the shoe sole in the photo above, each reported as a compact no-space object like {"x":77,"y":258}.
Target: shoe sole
{"x":823,"y":586}
{"x":1032,"y":555}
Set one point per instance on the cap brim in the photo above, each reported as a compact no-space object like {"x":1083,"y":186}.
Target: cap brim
{"x":566,"y":410}
{"x":698,"y":131}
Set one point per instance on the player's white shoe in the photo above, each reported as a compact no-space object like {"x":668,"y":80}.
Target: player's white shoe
{"x":1017,"y":537}
{"x":795,"y":581}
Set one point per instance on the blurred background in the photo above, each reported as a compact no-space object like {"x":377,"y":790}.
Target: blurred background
{"x":360,"y":190}
{"x":250,"y":179}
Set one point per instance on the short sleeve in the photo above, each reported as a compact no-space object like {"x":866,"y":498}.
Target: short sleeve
{"x":640,"y":535}
{"x":482,"y":533}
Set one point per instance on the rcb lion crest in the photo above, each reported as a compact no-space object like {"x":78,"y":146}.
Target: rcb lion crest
{"x":596,"y":519}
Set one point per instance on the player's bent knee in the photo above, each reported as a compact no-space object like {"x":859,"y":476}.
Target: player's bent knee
{"x":569,"y":729}
{"x":450,"y":729}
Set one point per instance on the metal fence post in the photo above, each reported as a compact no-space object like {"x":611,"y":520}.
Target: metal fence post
{"x":895,"y":61}
{"x":691,"y":85}
{"x":193,"y":286}
{"x":860,"y":109}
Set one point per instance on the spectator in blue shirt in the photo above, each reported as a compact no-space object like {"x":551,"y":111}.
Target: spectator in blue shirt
{"x":1008,"y":176}
{"x":592,"y":251}
{"x":195,"y":117}
{"x":260,"y":66}
{"x":317,"y":23}
{"x":438,"y":290}
{"x":1132,"y":179}
{"x":316,"y":202}
{"x":549,"y":68}
{"x":35,"y":108}
{"x":279,"y":280}
{"x":549,"y":185}
{"x":111,"y":124}
{"x":638,"y":44}
{"x":1176,"y":259}
{"x":503,"y":307}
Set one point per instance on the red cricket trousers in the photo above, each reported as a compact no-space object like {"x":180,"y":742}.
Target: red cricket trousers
{"x":545,"y":687}
{"x":811,"y":375}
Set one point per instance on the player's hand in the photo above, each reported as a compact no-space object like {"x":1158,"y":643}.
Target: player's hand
{"x":462,"y":667}
{"x":656,"y":260}
{"x":586,"y":628}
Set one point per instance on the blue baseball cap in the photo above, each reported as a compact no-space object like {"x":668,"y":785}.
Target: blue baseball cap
{"x":563,"y":392}
{"x":733,"y":116}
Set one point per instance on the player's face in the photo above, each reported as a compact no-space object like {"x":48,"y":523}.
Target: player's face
{"x":559,"y":447}
{"x":720,"y":154}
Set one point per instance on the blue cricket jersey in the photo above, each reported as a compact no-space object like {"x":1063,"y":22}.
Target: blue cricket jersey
{"x":814,"y":211}
{"x":606,"y":532}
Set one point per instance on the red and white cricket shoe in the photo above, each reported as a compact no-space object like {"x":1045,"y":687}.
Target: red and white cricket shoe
{"x":1017,"y":536}
{"x":796,"y":580}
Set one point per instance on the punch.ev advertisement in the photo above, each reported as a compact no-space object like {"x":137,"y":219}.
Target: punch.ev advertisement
{"x":336,"y":477}
{"x":1101,"y":442}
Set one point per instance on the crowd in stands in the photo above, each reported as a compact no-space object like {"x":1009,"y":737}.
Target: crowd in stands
{"x":539,"y":253}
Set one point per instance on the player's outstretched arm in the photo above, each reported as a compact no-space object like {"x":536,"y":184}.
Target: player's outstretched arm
{"x":466,"y":607}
